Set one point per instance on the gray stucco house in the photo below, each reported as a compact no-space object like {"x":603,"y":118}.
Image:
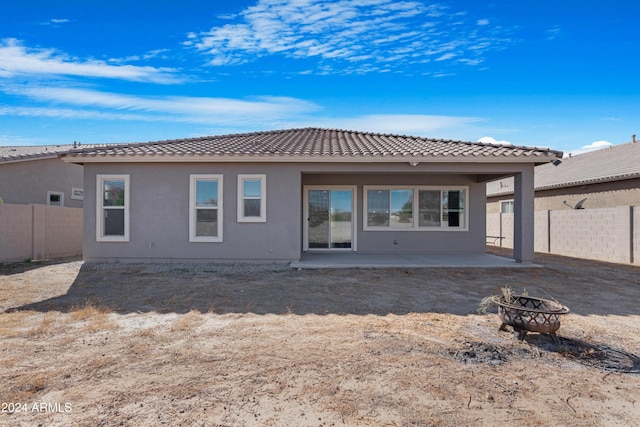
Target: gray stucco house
{"x":270,"y":196}
{"x":36,"y":175}
{"x":604,"y":178}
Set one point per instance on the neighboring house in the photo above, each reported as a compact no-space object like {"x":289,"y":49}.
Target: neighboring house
{"x":270,"y":196}
{"x":42,"y":199}
{"x":603,"y":178}
{"x":36,"y":175}
{"x":586,"y":206}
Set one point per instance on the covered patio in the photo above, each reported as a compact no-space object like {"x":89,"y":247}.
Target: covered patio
{"x":310,"y":260}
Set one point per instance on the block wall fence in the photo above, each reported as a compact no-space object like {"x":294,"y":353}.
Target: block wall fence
{"x":39,"y":232}
{"x":607,"y":234}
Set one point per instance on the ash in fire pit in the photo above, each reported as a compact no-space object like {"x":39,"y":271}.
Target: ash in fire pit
{"x":493,"y":355}
{"x":476,"y":352}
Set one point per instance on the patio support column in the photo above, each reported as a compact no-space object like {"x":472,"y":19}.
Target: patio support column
{"x":523,"y":211}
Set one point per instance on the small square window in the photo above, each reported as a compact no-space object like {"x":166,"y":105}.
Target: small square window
{"x":77,"y":193}
{"x":506,"y":206}
{"x":55,"y":198}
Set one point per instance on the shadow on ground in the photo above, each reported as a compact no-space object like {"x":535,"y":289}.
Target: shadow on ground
{"x":597,"y":355}
{"x":586,"y":287}
{"x":18,"y":267}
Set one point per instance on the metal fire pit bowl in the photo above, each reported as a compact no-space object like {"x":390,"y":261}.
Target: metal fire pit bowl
{"x":528,"y":314}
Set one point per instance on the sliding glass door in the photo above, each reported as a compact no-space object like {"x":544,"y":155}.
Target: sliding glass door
{"x":329,"y":218}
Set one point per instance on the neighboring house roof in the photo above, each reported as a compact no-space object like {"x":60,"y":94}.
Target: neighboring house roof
{"x":35,"y":152}
{"x":312,"y":144}
{"x":618,"y":162}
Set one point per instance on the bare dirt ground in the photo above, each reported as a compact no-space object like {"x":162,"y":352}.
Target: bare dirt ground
{"x":209,"y":345}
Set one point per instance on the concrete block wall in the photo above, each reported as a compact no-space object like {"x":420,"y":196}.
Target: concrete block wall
{"x":63,"y":232}
{"x":507,"y":229}
{"x":607,"y":234}
{"x":541,"y":237}
{"x":600,"y":234}
{"x":636,"y":235}
{"x":16,"y":228}
{"x":39,"y":232}
{"x":493,"y":226}
{"x":500,"y":224}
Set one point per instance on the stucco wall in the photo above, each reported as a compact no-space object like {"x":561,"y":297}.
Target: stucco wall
{"x":159,"y":227}
{"x":39,"y":232}
{"x":160,"y":206}
{"x":602,"y":195}
{"x":27,"y":182}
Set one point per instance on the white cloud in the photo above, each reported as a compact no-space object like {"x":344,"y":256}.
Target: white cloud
{"x":361,"y":33}
{"x":490,"y":140}
{"x":553,"y":32}
{"x":257,"y":113}
{"x":18,"y":60}
{"x":596,"y":145}
{"x":95,"y":104}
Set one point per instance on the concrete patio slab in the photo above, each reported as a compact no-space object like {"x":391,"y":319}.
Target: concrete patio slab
{"x":405,"y":260}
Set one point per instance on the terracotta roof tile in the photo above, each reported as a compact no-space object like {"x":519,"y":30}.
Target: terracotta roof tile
{"x":313,"y":142}
{"x":35,"y":152}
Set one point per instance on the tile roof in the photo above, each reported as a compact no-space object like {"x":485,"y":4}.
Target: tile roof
{"x":311,"y":144}
{"x":34,"y":152}
{"x":616,"y":163}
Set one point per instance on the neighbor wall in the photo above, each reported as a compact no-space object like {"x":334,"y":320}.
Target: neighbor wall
{"x":608,"y":234}
{"x":636,"y":235}
{"x":39,"y":232}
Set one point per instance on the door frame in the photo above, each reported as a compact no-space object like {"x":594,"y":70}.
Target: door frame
{"x":305,"y":218}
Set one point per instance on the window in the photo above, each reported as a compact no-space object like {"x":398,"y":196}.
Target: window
{"x":252,"y":198}
{"x":77,"y":193}
{"x":112,"y":213}
{"x":55,"y":198}
{"x":410,"y":208}
{"x":205,"y":206}
{"x":506,"y":206}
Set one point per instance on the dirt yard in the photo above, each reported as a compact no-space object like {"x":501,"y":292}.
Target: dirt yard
{"x":242,"y":345}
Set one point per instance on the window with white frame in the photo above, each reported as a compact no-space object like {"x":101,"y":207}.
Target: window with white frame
{"x":112,"y":211}
{"x":252,"y":198}
{"x":415,"y":208}
{"x":506,"y":206}
{"x":55,"y":198}
{"x":205,"y":208}
{"x":77,"y":193}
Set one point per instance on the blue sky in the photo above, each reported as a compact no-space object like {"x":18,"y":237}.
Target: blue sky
{"x":559,"y":74}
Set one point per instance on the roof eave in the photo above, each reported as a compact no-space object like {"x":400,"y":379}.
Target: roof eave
{"x":27,"y":158}
{"x":276,"y":158}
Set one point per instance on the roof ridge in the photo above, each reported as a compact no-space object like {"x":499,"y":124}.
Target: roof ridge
{"x":314,"y":142}
{"x":321,"y":129}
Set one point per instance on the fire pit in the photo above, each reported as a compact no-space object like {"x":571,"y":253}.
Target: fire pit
{"x":528,"y":314}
